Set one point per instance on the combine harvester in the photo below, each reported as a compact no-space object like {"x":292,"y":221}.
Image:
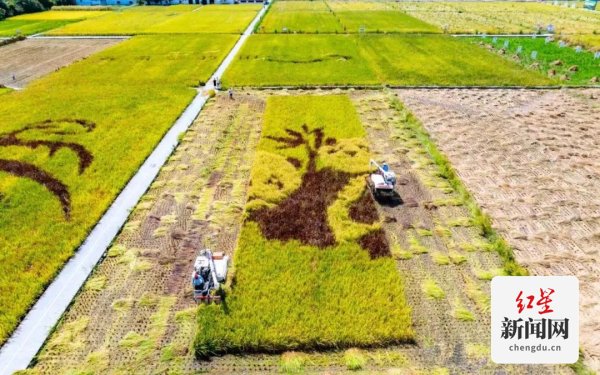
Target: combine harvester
{"x":382,"y":182}
{"x":210,"y":272}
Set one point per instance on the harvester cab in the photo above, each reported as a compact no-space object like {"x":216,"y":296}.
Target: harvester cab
{"x":210,"y":272}
{"x":382,"y":181}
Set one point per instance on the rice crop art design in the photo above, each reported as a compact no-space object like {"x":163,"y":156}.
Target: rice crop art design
{"x":311,"y":226}
{"x":44,"y":129}
{"x":303,"y":214}
{"x":318,"y":189}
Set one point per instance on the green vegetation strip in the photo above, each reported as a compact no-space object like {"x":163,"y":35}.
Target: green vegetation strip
{"x":559,"y":61}
{"x":63,"y":163}
{"x":308,"y":60}
{"x":480,"y":219}
{"x":307,"y":274}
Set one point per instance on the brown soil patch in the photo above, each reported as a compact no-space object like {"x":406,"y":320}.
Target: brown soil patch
{"x":34,"y":58}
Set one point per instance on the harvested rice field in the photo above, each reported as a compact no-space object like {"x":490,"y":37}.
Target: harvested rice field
{"x":500,"y":17}
{"x":531,"y":159}
{"x":30,"y":59}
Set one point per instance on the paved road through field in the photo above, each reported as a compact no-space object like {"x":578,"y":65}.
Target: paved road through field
{"x":31,"y":334}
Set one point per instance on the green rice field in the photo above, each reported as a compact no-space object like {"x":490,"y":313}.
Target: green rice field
{"x":320,"y":17}
{"x":287,"y":60}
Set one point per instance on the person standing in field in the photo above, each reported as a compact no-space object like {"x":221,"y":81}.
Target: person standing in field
{"x":215,"y":82}
{"x":231,"y":94}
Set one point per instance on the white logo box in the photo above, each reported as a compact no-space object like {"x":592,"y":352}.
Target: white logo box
{"x":536,"y":335}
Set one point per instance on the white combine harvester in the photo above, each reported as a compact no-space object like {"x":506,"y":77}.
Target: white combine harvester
{"x":210,"y":271}
{"x":382,"y":182}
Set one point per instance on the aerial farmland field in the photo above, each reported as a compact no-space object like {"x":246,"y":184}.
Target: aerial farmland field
{"x":552,"y":140}
{"x":325,"y":186}
{"x":310,"y":145}
{"x":383,"y":21}
{"x":289,"y":60}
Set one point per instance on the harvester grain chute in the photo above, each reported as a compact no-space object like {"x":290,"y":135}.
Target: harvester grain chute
{"x":210,"y":272}
{"x":382,"y":182}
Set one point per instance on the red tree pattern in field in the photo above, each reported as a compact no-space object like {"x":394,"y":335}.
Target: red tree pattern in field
{"x":302,"y":215}
{"x":26,"y":170}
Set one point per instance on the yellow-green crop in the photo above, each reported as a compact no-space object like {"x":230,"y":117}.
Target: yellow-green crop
{"x":300,"y":16}
{"x":108,"y":112}
{"x":372,"y":59}
{"x":33,"y":23}
{"x":179,"y":19}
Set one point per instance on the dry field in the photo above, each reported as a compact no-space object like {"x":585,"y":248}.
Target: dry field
{"x":135,"y":314}
{"x":532,"y":160}
{"x":33,"y":58}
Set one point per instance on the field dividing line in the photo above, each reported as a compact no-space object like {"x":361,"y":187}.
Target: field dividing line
{"x":20,"y":349}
